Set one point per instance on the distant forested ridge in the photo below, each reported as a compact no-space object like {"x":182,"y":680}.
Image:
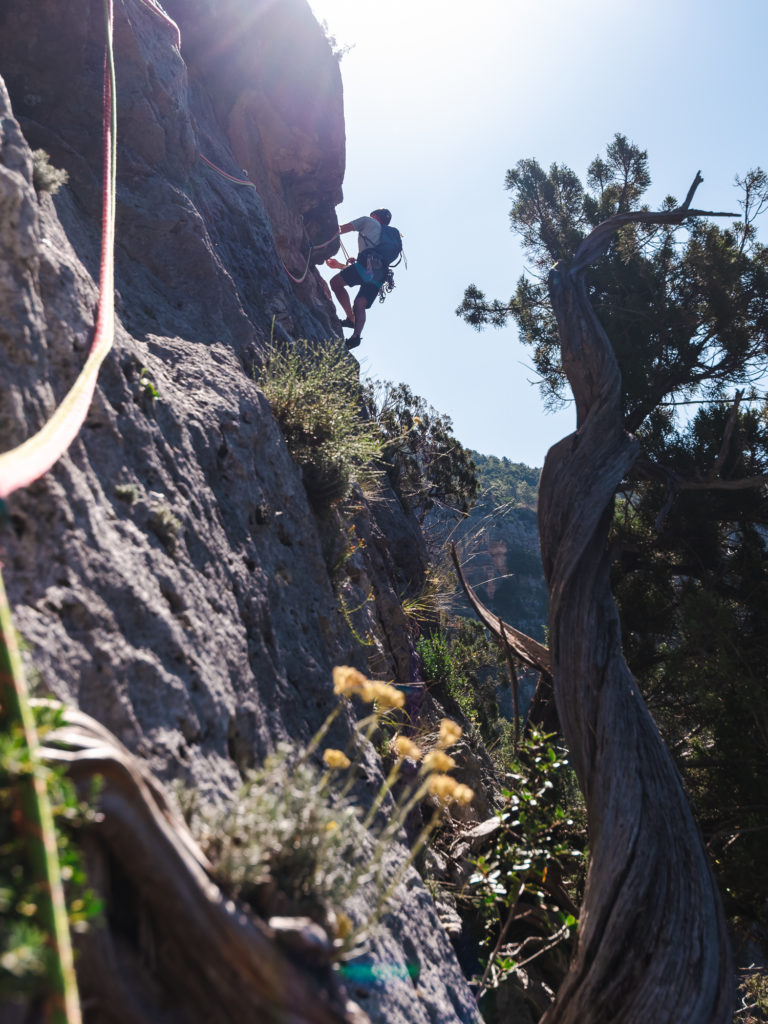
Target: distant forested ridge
{"x":505,"y":481}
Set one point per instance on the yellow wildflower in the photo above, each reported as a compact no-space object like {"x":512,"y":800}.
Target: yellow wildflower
{"x":335,"y":758}
{"x":463,"y":794}
{"x":450,"y":733}
{"x":439,"y":761}
{"x":348,"y":681}
{"x":404,"y":747}
{"x":387,"y":696}
{"x":442,"y":786}
{"x":449,"y":791}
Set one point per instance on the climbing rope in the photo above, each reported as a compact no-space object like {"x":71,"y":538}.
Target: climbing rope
{"x":312,"y":248}
{"x":229,"y":177}
{"x":24,"y":464}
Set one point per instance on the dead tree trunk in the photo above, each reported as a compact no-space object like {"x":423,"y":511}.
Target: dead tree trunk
{"x":652,"y":944}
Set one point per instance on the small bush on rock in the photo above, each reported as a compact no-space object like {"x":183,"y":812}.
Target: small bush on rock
{"x":45,"y":177}
{"x":314,"y":393}
{"x":295,"y":843}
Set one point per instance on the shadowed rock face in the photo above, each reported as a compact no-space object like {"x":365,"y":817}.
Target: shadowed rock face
{"x":278,"y":97}
{"x":168,"y":575}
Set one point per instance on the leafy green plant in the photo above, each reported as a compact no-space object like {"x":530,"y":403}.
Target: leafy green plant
{"x":31,"y":826}
{"x":45,"y":177}
{"x":147,"y":386}
{"x":435,"y":657}
{"x":462,"y":657}
{"x":26,"y":955}
{"x":425,"y":462}
{"x":538,"y":849}
{"x":314,"y":393}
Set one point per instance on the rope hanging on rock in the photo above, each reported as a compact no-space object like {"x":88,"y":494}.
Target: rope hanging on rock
{"x":250,"y":184}
{"x":312,"y":248}
{"x":22,"y":465}
{"x":229,"y":177}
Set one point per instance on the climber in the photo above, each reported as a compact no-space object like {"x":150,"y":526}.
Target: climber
{"x":378,"y":245}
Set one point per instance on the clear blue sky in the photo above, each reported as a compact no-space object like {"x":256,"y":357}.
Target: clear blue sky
{"x":442,"y":98}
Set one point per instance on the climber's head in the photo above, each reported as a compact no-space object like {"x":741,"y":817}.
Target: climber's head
{"x":383,"y":216}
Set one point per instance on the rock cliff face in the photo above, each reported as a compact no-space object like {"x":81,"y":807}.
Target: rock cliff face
{"x":168,"y":575}
{"x":499,"y":549}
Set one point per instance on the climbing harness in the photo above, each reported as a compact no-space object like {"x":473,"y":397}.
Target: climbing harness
{"x":22,"y":465}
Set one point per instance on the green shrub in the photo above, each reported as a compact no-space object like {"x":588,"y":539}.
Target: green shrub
{"x":314,"y":393}
{"x":470,"y":665}
{"x":528,"y":885}
{"x":425,"y":462}
{"x":435,"y":657}
{"x":46,"y":178}
{"x":25,"y":949}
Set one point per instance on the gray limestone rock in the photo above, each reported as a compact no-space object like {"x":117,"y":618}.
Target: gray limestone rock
{"x":168,"y":576}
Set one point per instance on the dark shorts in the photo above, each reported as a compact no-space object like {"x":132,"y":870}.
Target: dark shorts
{"x":369,"y":272}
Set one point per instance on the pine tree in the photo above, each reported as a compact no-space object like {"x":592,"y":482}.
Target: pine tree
{"x":643,"y":311}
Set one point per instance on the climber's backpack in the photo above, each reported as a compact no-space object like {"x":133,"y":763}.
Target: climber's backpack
{"x":389,"y":246}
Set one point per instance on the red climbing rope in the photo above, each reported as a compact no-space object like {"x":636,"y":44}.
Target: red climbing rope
{"x":30,"y":460}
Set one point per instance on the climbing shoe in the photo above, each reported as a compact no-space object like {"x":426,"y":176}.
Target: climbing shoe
{"x":353,"y":341}
{"x":347,"y":323}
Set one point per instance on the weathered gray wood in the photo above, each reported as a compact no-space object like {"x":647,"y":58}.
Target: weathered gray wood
{"x":652,"y":945}
{"x":528,"y":650}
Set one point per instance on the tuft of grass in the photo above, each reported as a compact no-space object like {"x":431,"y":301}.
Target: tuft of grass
{"x":314,"y":392}
{"x":45,"y":177}
{"x":128,"y":493}
{"x":166,"y":526}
